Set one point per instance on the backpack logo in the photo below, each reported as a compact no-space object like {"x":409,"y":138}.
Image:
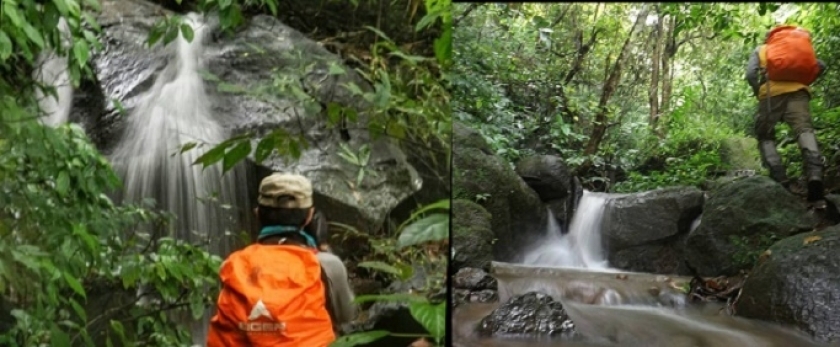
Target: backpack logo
{"x":253,"y":326}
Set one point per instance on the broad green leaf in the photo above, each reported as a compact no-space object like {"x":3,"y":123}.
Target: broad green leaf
{"x":5,"y":46}
{"x":81,"y":51}
{"x":336,"y":69}
{"x":187,"y":32}
{"x":61,"y":5}
{"x":58,"y":338}
{"x":213,"y":155}
{"x":62,"y":183}
{"x":381,"y":266}
{"x":34,"y":35}
{"x":434,"y":227}
{"x":10,"y":10}
{"x":171,"y":34}
{"x":74,"y":284}
{"x":431,"y":316}
{"x":334,"y":112}
{"x":264,"y":148}
{"x":236,"y":154}
{"x":357,"y":339}
{"x":188,"y":146}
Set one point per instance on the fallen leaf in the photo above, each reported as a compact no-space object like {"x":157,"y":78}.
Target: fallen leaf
{"x":811,"y":239}
{"x":764,"y":256}
{"x":621,"y":276}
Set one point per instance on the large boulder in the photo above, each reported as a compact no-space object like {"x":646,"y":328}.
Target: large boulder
{"x":740,"y":220}
{"x":533,"y":313}
{"x":518,"y":215}
{"x":548,"y":175}
{"x":472,"y":235}
{"x":797,"y":283}
{"x":646,"y":231}
{"x":250,"y":59}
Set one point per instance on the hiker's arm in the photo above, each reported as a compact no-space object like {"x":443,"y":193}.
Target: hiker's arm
{"x":822,"y":69}
{"x":751,"y":75}
{"x":341,"y":295}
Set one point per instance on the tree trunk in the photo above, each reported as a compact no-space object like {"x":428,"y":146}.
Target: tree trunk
{"x":600,"y":125}
{"x":656,"y":62}
{"x":668,"y":66}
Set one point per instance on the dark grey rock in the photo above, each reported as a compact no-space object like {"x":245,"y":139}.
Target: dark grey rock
{"x":645,"y":231}
{"x":250,"y":58}
{"x":518,"y":215}
{"x":548,"y":175}
{"x":473,"y":279}
{"x":529,"y":314}
{"x":472,"y":236}
{"x":740,"y":220}
{"x":798,"y":284}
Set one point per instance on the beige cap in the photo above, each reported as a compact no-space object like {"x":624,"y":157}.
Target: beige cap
{"x":296,"y":188}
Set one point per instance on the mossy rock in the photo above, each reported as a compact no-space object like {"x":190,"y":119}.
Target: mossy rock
{"x":797,"y":283}
{"x":518,"y":215}
{"x":472,"y":235}
{"x":740,"y":220}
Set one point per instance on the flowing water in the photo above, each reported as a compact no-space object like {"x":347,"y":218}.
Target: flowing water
{"x":208,"y":207}
{"x":611,"y":307}
{"x":52,"y":71}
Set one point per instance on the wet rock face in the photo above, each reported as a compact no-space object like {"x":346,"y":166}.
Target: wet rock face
{"x":798,"y":284}
{"x":529,"y":314}
{"x":740,"y":220}
{"x":471,"y":285}
{"x":645,"y":231}
{"x":261,"y":52}
{"x":474,"y":279}
{"x":518,"y":215}
{"x":472,"y":235}
{"x":548,"y":175}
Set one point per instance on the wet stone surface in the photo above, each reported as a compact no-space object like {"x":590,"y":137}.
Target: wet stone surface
{"x":473,"y":279}
{"x":532,"y":314}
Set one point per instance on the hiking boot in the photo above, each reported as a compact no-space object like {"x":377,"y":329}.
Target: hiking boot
{"x":813,"y":163}
{"x":814,"y":174}
{"x":778,"y":174}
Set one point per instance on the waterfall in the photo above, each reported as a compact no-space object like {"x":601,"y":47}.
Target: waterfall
{"x":581,"y":246}
{"x":51,"y":70}
{"x":177,"y":110}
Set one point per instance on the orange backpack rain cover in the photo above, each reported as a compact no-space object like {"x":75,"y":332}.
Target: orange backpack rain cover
{"x":272,"y":295}
{"x":790,"y":55}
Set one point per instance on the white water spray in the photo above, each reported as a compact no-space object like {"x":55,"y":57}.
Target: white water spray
{"x":581,"y":246}
{"x":52,"y":70}
{"x":175,"y":111}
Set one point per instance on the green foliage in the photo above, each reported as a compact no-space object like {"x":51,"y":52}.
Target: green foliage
{"x":62,"y":238}
{"x":747,"y":251}
{"x":428,"y":226}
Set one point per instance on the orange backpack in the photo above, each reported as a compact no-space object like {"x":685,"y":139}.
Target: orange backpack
{"x":272,"y":295}
{"x":790,"y":55}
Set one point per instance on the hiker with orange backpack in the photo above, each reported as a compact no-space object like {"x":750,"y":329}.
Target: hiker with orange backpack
{"x":282,"y":290}
{"x":780,"y":72}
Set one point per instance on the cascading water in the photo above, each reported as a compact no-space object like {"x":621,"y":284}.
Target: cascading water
{"x":52,"y":71}
{"x":581,"y":246}
{"x":175,"y":111}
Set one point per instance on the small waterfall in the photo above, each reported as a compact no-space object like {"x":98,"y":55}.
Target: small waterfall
{"x":52,"y":71}
{"x":581,"y":246}
{"x":209,"y":208}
